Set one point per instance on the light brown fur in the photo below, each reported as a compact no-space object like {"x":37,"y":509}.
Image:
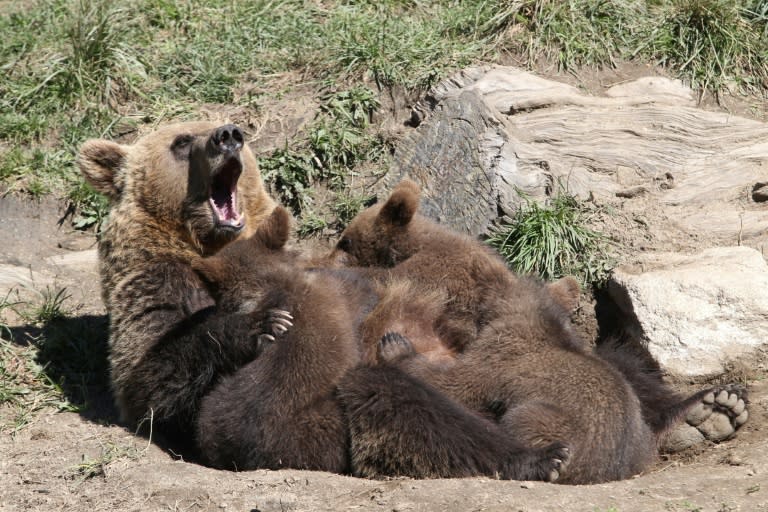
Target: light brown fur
{"x":160,"y":220}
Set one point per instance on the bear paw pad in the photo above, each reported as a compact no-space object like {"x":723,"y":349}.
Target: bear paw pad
{"x":720,"y":412}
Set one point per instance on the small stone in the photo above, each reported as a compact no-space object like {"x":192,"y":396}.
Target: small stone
{"x":631,"y":192}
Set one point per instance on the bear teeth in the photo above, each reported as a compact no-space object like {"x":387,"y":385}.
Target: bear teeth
{"x":223,"y":197}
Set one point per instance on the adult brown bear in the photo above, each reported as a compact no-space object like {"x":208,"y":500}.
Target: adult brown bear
{"x":180,"y":192}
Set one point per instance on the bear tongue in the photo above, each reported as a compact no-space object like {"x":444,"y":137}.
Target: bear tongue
{"x":224,"y":205}
{"x":223,"y":197}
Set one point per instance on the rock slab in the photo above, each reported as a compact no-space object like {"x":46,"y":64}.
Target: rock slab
{"x":488,"y":133}
{"x":696,"y":312}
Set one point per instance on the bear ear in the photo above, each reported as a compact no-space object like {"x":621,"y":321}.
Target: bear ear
{"x":566,"y":291}
{"x":402,"y":204}
{"x":213,"y":271}
{"x":275,"y":230}
{"x":101,"y":161}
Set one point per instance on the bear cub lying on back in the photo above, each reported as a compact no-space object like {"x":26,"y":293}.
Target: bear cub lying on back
{"x":279,"y":410}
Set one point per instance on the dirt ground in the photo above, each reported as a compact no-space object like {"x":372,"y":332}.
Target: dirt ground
{"x":87,"y":461}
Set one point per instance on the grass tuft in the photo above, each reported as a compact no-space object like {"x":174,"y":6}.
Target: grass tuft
{"x":290,"y":174}
{"x":572,"y":33}
{"x":52,"y":305}
{"x":347,"y":205}
{"x":710,"y":43}
{"x":98,"y":466}
{"x":553,"y":241}
{"x":25,"y":387}
{"x":91,"y":208}
{"x":310,"y":224}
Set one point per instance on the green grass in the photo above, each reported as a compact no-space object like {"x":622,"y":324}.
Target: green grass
{"x":110,"y":453}
{"x":347,"y":205}
{"x":710,"y":43}
{"x":25,"y":387}
{"x":51,"y":306}
{"x":571,"y":33}
{"x":553,"y":241}
{"x":90,"y":206}
{"x":335,"y":143}
{"x":74,"y":69}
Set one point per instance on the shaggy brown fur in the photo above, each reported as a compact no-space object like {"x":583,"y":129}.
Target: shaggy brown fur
{"x":280,"y":410}
{"x":182,"y":191}
{"x":518,"y":357}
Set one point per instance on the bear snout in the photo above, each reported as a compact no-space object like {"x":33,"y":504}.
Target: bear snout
{"x":228,"y":139}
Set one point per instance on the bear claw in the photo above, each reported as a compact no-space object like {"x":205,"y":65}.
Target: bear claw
{"x":393,"y":346}
{"x":279,"y":321}
{"x":560,"y":456}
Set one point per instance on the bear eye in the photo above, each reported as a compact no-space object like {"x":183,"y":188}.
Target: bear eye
{"x":345,"y":244}
{"x":180,"y":146}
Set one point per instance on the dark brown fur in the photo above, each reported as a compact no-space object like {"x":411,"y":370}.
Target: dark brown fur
{"x":281,"y":410}
{"x":518,"y":357}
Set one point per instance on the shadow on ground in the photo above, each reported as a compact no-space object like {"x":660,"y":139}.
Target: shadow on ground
{"x":72,"y":350}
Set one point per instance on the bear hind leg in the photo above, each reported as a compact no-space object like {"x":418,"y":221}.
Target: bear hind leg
{"x":401,"y":426}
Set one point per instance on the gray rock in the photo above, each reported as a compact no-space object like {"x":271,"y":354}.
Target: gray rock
{"x":487,"y":133}
{"x":458,"y":157}
{"x":696,"y":312}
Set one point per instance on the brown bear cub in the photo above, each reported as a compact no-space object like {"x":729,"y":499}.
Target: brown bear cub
{"x":183,"y":191}
{"x":281,"y":409}
{"x":517,"y":357}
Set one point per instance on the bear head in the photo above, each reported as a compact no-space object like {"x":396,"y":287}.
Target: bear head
{"x":382,"y":235}
{"x":199,"y":179}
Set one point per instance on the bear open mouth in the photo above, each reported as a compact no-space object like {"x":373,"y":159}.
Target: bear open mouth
{"x":223,"y":198}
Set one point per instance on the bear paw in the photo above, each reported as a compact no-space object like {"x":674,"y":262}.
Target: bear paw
{"x":721,"y":411}
{"x":393,"y":346}
{"x":276,"y":323}
{"x":554,"y":460}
